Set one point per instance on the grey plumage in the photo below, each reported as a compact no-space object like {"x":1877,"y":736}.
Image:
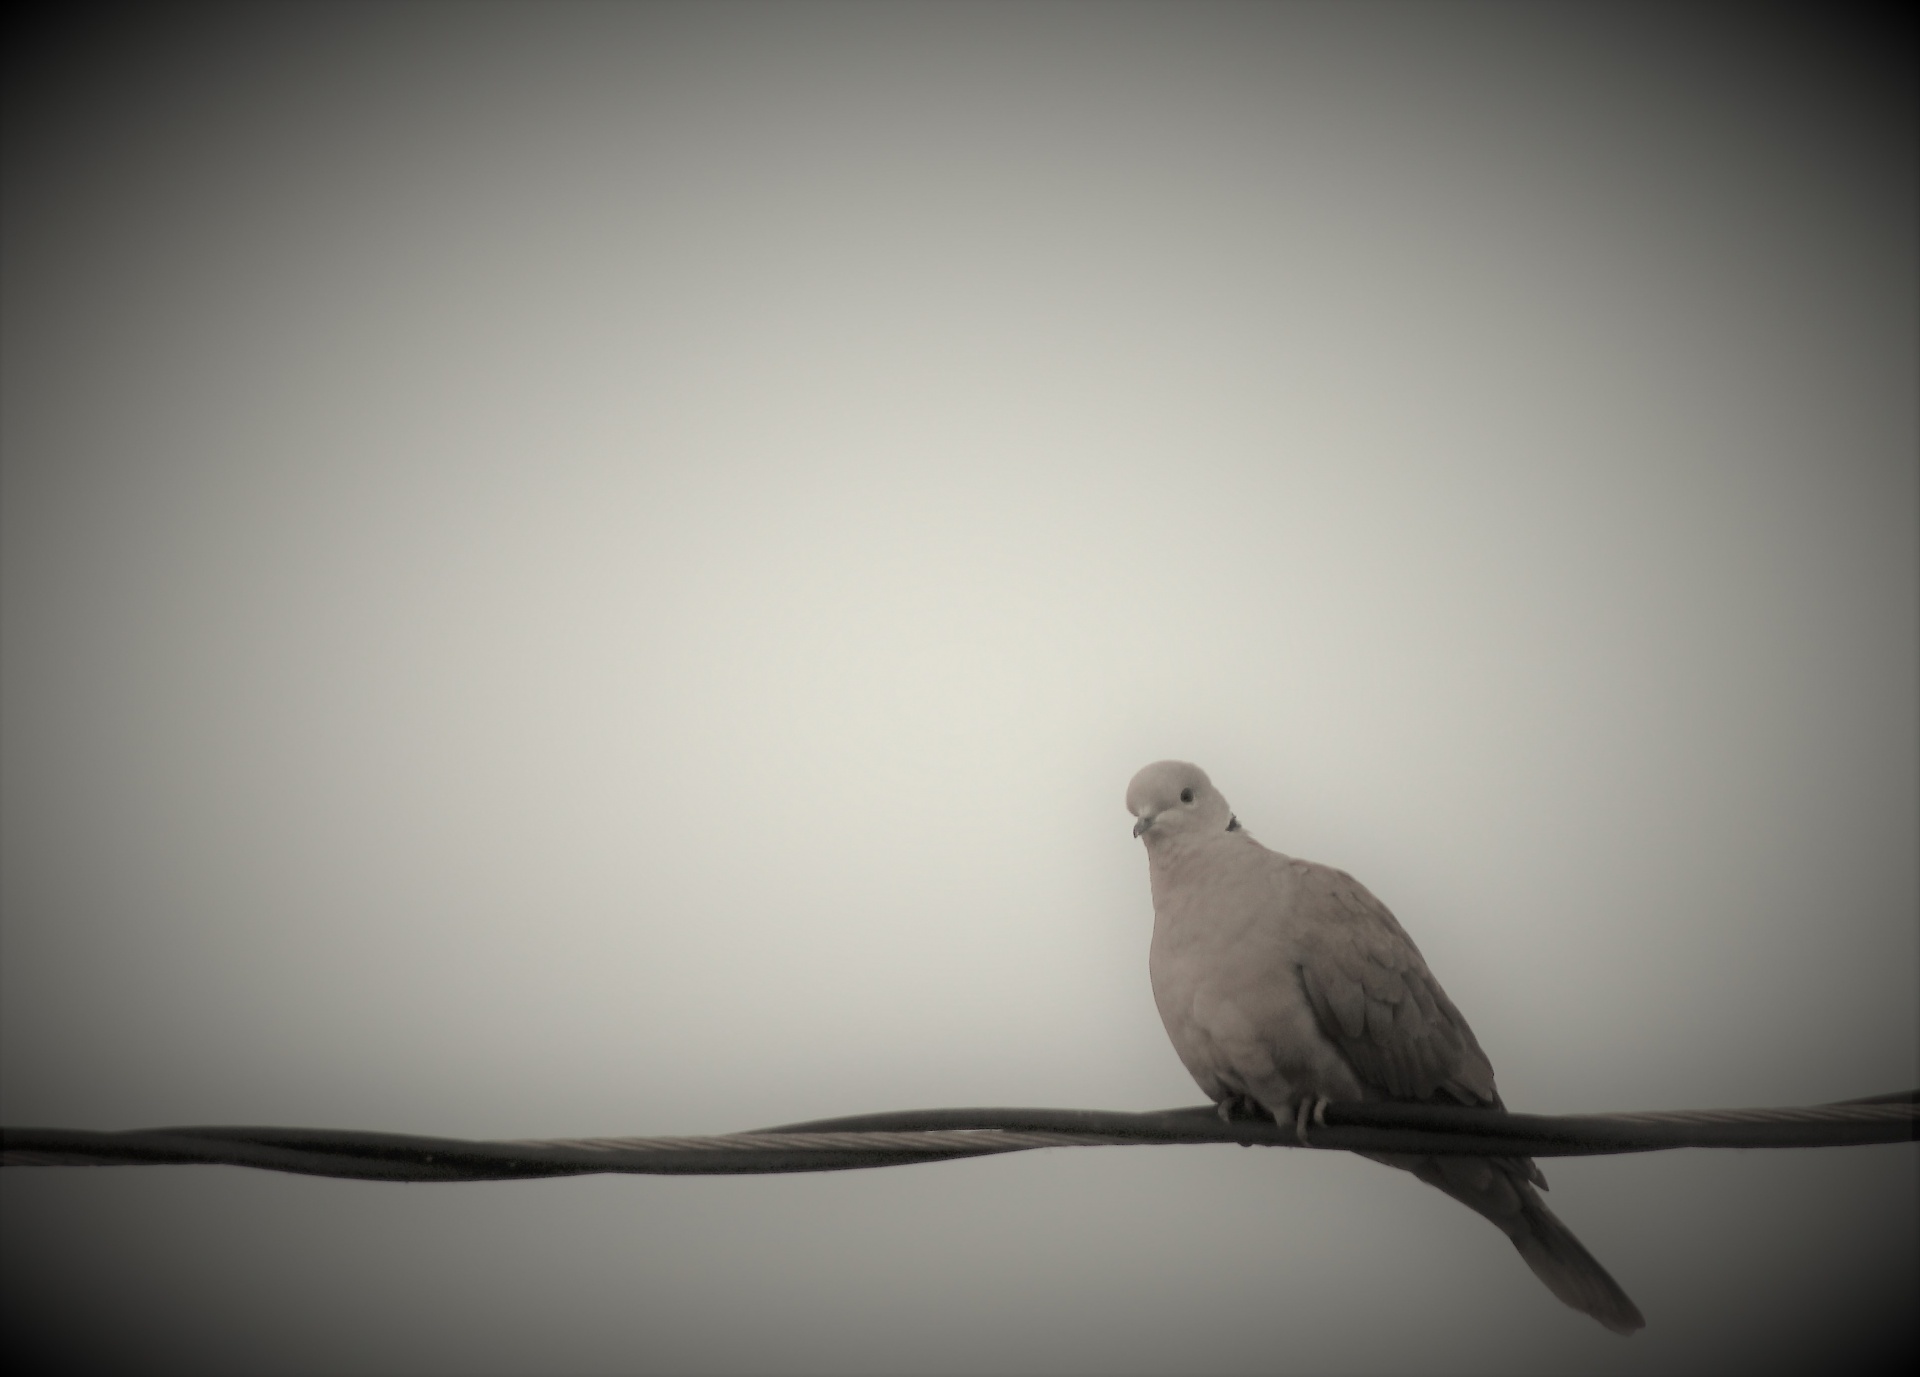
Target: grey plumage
{"x":1281,"y":982}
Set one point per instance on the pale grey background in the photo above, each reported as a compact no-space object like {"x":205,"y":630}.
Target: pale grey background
{"x":575,"y":570}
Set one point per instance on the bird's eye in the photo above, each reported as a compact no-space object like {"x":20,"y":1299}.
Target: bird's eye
{"x":1186,"y":796}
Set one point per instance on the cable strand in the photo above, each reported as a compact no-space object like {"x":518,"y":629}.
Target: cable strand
{"x":902,"y":1137}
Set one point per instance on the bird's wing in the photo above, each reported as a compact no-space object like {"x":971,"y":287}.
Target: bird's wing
{"x":1375,"y":999}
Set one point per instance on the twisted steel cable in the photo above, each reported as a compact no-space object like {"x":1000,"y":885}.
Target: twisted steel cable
{"x":901,"y":1137}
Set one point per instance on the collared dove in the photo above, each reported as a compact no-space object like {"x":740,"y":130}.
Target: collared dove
{"x":1284,"y":983}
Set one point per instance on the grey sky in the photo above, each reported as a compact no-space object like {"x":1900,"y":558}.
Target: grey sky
{"x":579,"y":570}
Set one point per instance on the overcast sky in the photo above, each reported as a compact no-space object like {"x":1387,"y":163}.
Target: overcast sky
{"x":574,"y":570}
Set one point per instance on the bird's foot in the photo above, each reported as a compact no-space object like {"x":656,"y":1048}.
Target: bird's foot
{"x":1241,"y":1109}
{"x":1311,"y":1109}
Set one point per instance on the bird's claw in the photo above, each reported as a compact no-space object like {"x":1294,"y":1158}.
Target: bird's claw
{"x":1311,"y":1109}
{"x":1241,"y":1107}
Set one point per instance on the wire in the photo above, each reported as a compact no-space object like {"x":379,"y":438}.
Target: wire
{"x":934,"y":1135}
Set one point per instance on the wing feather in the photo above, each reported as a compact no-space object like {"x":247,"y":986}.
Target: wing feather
{"x":1375,"y":999}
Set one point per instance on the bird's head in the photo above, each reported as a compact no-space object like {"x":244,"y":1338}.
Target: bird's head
{"x":1174,"y":799}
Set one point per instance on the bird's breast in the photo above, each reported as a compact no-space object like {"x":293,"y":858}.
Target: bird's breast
{"x":1220,"y":942}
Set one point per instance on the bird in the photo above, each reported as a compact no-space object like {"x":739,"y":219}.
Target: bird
{"x":1285,"y":985}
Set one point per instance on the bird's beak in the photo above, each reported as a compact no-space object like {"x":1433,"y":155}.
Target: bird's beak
{"x":1143,"y":824}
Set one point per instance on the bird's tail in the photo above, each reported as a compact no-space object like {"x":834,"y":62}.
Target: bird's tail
{"x":1569,"y":1270}
{"x":1502,"y":1189}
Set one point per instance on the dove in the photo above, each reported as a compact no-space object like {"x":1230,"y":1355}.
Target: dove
{"x":1285,"y":985}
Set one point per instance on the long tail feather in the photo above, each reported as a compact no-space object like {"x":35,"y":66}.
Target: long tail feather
{"x":1569,"y":1270}
{"x":1502,"y":1190}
